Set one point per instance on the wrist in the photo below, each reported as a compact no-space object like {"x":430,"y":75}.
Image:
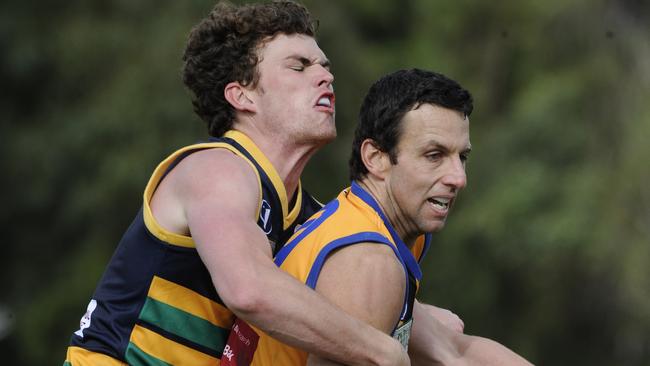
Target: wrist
{"x":390,"y":353}
{"x":379,"y":351}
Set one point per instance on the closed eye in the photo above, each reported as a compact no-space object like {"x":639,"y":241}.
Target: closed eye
{"x":300,"y":63}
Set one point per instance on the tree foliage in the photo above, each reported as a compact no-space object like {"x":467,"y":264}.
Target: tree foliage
{"x":547,"y":250}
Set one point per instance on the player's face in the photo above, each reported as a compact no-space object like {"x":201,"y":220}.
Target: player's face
{"x":295,"y":94}
{"x":430,"y":169}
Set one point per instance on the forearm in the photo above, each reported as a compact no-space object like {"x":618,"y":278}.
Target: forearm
{"x":314,"y":360}
{"x":482,"y":351}
{"x":434,"y":344}
{"x":298,"y":316}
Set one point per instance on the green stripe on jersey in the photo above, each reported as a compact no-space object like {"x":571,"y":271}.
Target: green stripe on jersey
{"x":184,"y":324}
{"x":137,"y":357}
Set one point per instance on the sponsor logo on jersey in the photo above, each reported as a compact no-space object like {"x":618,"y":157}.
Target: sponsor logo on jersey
{"x":227,"y":352}
{"x":241,"y":345}
{"x":241,"y":337}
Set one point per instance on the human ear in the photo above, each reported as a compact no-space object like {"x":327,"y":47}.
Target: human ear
{"x":376,"y":161}
{"x":238,"y":97}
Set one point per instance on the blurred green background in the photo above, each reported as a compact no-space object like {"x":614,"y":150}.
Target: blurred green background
{"x":548,"y":249}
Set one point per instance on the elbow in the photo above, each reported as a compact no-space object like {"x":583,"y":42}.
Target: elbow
{"x":247,"y":303}
{"x":246,"y":290}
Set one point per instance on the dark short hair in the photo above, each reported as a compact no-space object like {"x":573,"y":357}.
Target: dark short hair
{"x":223,"y":48}
{"x":390,"y":98}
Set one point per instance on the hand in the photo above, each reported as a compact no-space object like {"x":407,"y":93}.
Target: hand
{"x":446,"y":317}
{"x":402,"y":357}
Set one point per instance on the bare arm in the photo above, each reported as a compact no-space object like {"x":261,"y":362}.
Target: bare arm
{"x":220,"y":214}
{"x":435,"y":344}
{"x":367,"y":281}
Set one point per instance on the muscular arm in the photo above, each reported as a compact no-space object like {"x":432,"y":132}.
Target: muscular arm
{"x":218,"y":196}
{"x":435,"y":344}
{"x":367,"y":281}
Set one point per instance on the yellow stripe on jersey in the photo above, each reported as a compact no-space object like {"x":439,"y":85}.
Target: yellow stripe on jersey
{"x":152,"y":225}
{"x":269,"y":169}
{"x":418,"y":247}
{"x":77,"y":356}
{"x":191,"y":302}
{"x":166,"y":350}
{"x":418,"y":251}
{"x":295,"y":210}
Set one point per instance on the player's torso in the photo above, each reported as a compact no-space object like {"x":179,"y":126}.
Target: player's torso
{"x":171,"y":311}
{"x":345,"y":221}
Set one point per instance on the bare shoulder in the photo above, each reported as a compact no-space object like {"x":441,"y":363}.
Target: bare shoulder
{"x":213,"y":170}
{"x":214,"y":175}
{"x":201,"y":182}
{"x":367,"y":280}
{"x":365,"y":260}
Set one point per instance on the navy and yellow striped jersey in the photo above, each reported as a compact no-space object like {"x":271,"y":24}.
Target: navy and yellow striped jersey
{"x":353,"y":217}
{"x":155,"y":303}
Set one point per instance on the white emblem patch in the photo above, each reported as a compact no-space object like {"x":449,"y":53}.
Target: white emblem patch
{"x":265,"y":215}
{"x":85,"y":320}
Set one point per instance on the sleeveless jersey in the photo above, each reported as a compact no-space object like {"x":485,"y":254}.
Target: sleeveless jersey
{"x":155,"y":303}
{"x":353,"y":217}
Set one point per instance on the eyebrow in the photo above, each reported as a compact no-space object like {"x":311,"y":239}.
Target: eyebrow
{"x":437,"y":145}
{"x":307,"y":62}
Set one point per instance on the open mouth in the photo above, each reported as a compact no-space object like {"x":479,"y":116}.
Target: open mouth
{"x":326,"y":100}
{"x":440,"y":203}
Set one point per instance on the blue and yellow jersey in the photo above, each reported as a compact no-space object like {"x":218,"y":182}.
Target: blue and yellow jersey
{"x":156,"y":303}
{"x":353,"y":217}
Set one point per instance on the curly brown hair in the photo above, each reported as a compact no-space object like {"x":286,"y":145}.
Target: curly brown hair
{"x":223,"y":47}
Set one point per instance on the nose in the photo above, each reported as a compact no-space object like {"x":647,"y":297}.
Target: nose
{"x":324,"y":76}
{"x":455,"y":177}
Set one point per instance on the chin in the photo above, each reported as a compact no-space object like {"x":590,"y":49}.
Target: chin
{"x":325,"y":137}
{"x":434,"y":228}
{"x":329,"y":138}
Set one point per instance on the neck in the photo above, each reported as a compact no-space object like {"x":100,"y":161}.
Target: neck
{"x":381,"y":194}
{"x":288,"y":158}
